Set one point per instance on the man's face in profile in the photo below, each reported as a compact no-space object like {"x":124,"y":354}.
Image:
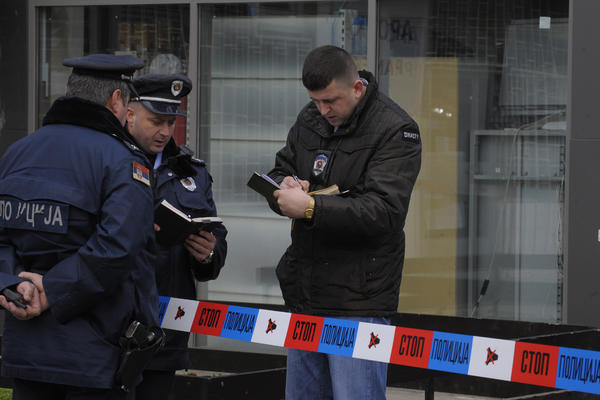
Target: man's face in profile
{"x":337,"y":101}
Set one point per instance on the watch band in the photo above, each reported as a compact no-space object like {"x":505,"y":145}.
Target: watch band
{"x":308,"y":213}
{"x":208,"y":259}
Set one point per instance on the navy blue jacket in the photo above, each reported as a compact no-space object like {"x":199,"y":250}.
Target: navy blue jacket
{"x":185,"y":183}
{"x":73,"y":211}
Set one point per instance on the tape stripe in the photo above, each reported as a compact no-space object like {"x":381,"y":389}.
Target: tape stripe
{"x":500,"y":359}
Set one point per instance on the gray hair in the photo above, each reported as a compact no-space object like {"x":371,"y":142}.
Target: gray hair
{"x":96,"y":89}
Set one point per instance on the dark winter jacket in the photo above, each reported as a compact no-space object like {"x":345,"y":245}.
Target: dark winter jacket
{"x":81,"y":215}
{"x":347,"y":260}
{"x":185,"y":183}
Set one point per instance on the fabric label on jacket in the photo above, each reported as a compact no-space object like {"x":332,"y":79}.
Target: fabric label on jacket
{"x":44,"y":216}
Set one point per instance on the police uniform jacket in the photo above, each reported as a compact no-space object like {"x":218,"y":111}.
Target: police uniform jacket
{"x":73,"y":212}
{"x":348,"y":259}
{"x":185,"y":183}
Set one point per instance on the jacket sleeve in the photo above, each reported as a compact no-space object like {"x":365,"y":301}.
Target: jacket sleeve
{"x":379,"y":204}
{"x":97,"y":269}
{"x":9,"y":265}
{"x":285,"y":160}
{"x":206,"y":272}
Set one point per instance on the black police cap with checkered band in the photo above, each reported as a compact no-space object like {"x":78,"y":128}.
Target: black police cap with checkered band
{"x":162,"y":93}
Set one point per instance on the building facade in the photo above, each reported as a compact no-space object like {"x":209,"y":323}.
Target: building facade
{"x":503,"y":221}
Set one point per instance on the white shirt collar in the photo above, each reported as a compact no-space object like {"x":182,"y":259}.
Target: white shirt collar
{"x":158,"y":160}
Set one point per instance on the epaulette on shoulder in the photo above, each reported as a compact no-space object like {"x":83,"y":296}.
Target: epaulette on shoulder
{"x":184,"y":149}
{"x":198,"y":161}
{"x":132,"y":147}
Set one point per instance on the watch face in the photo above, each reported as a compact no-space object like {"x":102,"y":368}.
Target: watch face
{"x":308,"y":212}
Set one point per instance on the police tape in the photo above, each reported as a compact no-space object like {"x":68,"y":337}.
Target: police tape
{"x":501,"y":359}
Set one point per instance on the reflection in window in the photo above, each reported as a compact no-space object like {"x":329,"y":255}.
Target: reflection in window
{"x":487,"y":83}
{"x":158,"y":35}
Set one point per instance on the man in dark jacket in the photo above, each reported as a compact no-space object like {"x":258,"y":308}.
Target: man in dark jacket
{"x":185,"y":183}
{"x":75,"y":239}
{"x":347,"y":250}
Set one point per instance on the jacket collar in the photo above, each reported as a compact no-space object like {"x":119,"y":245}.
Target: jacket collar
{"x":81,"y":112}
{"x":170,"y":150}
{"x":178,"y":161}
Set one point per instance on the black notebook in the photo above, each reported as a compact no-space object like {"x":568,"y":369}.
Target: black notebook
{"x":175,"y":225}
{"x":263,"y":184}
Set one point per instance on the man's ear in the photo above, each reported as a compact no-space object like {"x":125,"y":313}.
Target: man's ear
{"x":357,"y":88}
{"x":130,"y":115}
{"x":115,"y":101}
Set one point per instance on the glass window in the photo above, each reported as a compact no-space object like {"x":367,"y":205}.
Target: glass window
{"x":157,"y":34}
{"x":487,"y":83}
{"x":250,"y":63}
{"x":485,"y":80}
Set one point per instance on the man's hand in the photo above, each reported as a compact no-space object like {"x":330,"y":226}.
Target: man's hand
{"x":200,"y":246}
{"x":290,"y":182}
{"x":292,"y":202}
{"x":34,"y":295}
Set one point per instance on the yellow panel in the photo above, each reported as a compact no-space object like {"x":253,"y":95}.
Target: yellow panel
{"x":428,"y":89}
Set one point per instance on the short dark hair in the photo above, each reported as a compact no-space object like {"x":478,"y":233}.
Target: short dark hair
{"x":326,"y":63}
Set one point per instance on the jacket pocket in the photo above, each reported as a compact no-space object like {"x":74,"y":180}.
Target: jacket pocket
{"x":337,"y":285}
{"x":374,"y":274}
{"x":289,"y":276}
{"x":382,"y":275}
{"x":193,"y":203}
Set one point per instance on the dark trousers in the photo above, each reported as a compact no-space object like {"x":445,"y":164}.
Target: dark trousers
{"x":32,"y":390}
{"x":155,"y":386}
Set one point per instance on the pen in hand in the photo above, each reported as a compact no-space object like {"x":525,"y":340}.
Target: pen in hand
{"x":300,"y":183}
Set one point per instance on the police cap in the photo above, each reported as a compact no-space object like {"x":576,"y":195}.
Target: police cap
{"x":162,"y":93}
{"x":108,"y":66}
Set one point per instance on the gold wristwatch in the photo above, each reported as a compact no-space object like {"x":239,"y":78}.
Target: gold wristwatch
{"x":308,"y":213}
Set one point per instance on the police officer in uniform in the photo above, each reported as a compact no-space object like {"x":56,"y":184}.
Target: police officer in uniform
{"x":76,"y":239}
{"x":183,"y":181}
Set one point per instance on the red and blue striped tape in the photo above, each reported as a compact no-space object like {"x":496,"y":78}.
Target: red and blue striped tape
{"x":507,"y":360}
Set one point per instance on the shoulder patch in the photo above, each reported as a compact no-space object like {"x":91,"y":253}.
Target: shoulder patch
{"x":412,"y":137}
{"x":141,"y":173}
